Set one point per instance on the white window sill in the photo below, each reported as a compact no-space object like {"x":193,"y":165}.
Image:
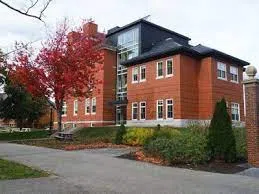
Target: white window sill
{"x":63,"y":115}
{"x":161,"y":77}
{"x":171,"y":75}
{"x":169,"y":119}
{"x":235,"y":82}
{"x":159,"y":119}
{"x":135,"y":82}
{"x":75,"y":115}
{"x":93,"y":113}
{"x":87,"y":113}
{"x":224,"y":79}
{"x":144,"y":80}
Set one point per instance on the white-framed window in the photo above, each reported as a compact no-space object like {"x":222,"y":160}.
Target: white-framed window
{"x":74,"y":125}
{"x":159,"y":70}
{"x":169,"y":68}
{"x":87,"y":106}
{"x":93,"y":105}
{"x":75,"y":107}
{"x":235,"y":112}
{"x":169,"y":109}
{"x":143,"y":73}
{"x":64,"y":109}
{"x":134,"y":111}
{"x":233,"y":74}
{"x":222,"y":71}
{"x":160,"y":109}
{"x":135,"y":75}
{"x":142,"y":106}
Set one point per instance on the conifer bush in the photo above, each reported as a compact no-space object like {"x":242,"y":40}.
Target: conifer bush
{"x":119,"y":134}
{"x":221,"y":139}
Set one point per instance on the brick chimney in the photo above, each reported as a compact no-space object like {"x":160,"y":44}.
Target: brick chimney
{"x":90,"y":29}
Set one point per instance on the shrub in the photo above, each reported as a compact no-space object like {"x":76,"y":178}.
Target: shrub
{"x":137,"y":136}
{"x":221,"y":137}
{"x":182,"y":148}
{"x":23,"y":135}
{"x":119,"y":134}
{"x":240,"y":136}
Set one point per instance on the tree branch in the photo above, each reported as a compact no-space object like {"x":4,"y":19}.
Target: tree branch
{"x":26,"y":13}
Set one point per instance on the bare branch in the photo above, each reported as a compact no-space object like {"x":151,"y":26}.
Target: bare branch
{"x":26,"y":13}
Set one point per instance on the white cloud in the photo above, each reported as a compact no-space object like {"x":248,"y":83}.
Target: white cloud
{"x":229,"y":26}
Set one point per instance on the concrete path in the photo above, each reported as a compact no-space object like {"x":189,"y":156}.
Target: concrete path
{"x":101,"y":172}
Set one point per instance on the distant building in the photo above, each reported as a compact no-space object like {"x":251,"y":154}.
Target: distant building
{"x":152,"y":75}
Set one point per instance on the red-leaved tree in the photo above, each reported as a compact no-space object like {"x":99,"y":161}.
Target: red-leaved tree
{"x":65,"y":66}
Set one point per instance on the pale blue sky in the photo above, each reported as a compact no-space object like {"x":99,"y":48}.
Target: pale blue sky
{"x":229,"y":26}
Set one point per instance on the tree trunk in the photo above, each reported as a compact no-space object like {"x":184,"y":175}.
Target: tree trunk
{"x":59,"y":114}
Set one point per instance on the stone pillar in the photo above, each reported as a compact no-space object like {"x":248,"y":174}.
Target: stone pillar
{"x":252,"y":116}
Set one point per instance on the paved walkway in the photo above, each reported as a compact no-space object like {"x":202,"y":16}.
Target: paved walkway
{"x":100,"y":172}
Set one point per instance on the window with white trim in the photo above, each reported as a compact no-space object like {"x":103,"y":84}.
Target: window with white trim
{"x":169,"y":109}
{"x":87,"y":106}
{"x":64,"y":109}
{"x":75,"y":107}
{"x":169,"y":68}
{"x":233,"y":74}
{"x":235,"y":112}
{"x":93,"y":105}
{"x":159,"y":70}
{"x":135,"y":75}
{"x":142,"y":110}
{"x":142,"y":73}
{"x":134,"y":111}
{"x":221,"y":71}
{"x":159,"y":109}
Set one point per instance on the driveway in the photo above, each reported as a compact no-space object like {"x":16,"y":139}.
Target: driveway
{"x":100,"y":172}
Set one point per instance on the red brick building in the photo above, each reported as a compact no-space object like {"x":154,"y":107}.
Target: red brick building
{"x":152,"y":76}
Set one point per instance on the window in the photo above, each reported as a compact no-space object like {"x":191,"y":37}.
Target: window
{"x":169,"y":68}
{"x":142,"y":110}
{"x":64,"y":109}
{"x":134,"y":111}
{"x":235,"y":112}
{"x":87,"y":106}
{"x":135,"y":75}
{"x":234,"y":74}
{"x":160,"y":109}
{"x":159,"y":70}
{"x":143,"y":73}
{"x":74,"y":125}
{"x":93,"y":105}
{"x":222,"y":71}
{"x":169,"y":109}
{"x":75,"y":107}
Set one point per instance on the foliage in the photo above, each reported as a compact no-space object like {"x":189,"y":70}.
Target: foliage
{"x":137,"y":136}
{"x":66,"y":66}
{"x":13,"y":170}
{"x":23,"y":135}
{"x":119,"y":134}
{"x":198,"y":127}
{"x":104,"y":134}
{"x":241,"y":147}
{"x":21,"y":106}
{"x":179,"y":148}
{"x":221,"y":137}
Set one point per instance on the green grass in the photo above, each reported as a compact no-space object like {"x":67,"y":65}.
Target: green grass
{"x":106,"y":134}
{"x":13,"y":170}
{"x":23,"y":135}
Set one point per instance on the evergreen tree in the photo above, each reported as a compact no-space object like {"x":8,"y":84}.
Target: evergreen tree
{"x":119,"y":134}
{"x":221,"y":136}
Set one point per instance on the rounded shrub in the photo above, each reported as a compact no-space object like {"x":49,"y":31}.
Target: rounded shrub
{"x":137,"y":136}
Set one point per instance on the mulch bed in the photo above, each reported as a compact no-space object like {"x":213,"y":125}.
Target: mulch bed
{"x":93,"y":146}
{"x":213,"y":166}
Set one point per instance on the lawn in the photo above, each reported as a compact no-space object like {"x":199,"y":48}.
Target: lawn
{"x":24,"y":135}
{"x":13,"y":170}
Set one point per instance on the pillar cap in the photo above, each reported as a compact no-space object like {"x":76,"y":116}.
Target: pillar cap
{"x":251,"y":72}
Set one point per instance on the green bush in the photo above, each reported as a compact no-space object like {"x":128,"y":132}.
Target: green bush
{"x":240,"y":136}
{"x":137,"y":136}
{"x":119,"y":134}
{"x":180,"y":148}
{"x":221,"y":136}
{"x":23,"y":135}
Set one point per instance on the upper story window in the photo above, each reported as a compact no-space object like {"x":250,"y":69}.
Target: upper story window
{"x":134,"y":111}
{"x":135,"y":75}
{"x":169,"y":68}
{"x":64,"y":109}
{"x":142,"y":73}
{"x":159,"y":70}
{"x":235,"y":112}
{"x":234,"y":74}
{"x":142,"y":110}
{"x":159,"y":109}
{"x":93,"y":105}
{"x":221,"y":71}
{"x":75,"y":107}
{"x":87,"y":106}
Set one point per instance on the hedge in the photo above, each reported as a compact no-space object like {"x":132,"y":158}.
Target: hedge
{"x":23,"y":135}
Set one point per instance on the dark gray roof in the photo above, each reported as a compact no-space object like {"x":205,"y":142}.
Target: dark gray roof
{"x":170,"y":47}
{"x":118,"y":29}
